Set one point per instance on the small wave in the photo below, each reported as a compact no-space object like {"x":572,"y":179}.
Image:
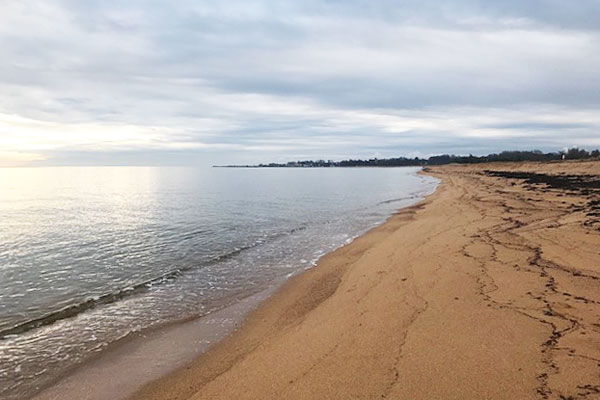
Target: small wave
{"x":71,"y":311}
{"x":395,"y":200}
{"x":92,"y":302}
{"x":191,"y":235}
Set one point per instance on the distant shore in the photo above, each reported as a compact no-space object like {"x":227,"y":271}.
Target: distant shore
{"x":443,"y":159}
{"x":490,"y":288}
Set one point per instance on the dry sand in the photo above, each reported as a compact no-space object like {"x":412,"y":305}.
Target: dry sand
{"x":488,"y":289}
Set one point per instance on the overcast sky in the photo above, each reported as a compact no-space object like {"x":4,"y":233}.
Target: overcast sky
{"x":197,"y":82}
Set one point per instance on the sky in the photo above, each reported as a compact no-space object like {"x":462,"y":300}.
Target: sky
{"x":151,"y":82}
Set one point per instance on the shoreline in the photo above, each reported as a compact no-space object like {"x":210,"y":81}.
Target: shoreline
{"x":262,"y":314}
{"x":177,"y":343}
{"x":488,"y":287}
{"x":181,"y":341}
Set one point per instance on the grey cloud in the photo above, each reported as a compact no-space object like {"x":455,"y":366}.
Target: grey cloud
{"x":540,"y":126}
{"x":302,"y":77}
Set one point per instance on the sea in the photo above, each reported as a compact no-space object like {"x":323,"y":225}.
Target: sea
{"x":90,"y":255}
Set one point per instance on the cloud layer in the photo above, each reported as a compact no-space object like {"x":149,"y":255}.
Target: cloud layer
{"x":193,"y":82}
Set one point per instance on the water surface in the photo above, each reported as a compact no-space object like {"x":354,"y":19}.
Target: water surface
{"x":89,"y":255}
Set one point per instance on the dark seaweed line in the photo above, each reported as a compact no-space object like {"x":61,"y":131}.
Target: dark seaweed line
{"x":565,"y":182}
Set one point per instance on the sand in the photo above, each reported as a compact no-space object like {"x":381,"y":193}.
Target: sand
{"x":488,"y":289}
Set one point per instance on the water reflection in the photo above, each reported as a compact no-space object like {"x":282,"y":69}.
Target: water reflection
{"x":88,"y":255}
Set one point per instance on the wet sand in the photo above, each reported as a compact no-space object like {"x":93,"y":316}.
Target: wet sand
{"x":142,"y":357}
{"x":488,"y":289}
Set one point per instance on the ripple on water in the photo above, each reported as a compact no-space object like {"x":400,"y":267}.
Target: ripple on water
{"x":88,"y":256}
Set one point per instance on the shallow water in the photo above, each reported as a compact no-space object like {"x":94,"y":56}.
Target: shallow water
{"x":89,"y":255}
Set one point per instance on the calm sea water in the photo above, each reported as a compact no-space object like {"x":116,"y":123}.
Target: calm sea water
{"x":89,"y":255}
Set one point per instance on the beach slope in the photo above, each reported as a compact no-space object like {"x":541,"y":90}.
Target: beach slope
{"x":488,"y":289}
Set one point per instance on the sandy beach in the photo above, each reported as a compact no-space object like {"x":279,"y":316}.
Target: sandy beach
{"x":488,"y":289}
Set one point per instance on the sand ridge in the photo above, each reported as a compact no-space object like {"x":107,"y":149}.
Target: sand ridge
{"x":488,"y":289}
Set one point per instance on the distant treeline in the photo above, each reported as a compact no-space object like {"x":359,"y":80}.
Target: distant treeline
{"x":505,"y":156}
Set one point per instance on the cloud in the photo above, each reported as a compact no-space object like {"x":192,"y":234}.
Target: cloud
{"x":256,"y":81}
